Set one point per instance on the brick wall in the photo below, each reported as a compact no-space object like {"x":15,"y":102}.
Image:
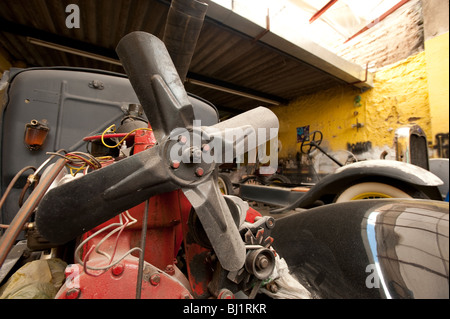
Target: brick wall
{"x":395,"y":38}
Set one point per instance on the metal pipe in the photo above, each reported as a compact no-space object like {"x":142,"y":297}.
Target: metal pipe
{"x":232,"y":91}
{"x":71,"y":50}
{"x":142,"y":254}
{"x":319,"y":13}
{"x":13,"y":182}
{"x":9,"y":237}
{"x":328,"y":155}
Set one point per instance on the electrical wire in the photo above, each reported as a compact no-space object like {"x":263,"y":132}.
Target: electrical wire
{"x":79,"y":161}
{"x":127,"y":221}
{"x":127,"y":217}
{"x":112,"y":129}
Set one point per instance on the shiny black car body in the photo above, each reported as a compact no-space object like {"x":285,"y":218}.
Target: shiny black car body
{"x":369,"y":249}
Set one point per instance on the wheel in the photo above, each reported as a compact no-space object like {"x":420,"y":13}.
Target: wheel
{"x":252,"y":180}
{"x":370,"y":190}
{"x":278,"y":179}
{"x":225,"y":185}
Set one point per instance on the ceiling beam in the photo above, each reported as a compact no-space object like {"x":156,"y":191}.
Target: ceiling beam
{"x":304,"y":50}
{"x":72,"y":50}
{"x":319,"y":13}
{"x":26,"y":31}
{"x":215,"y":84}
{"x":378,"y":20}
{"x":71,"y":46}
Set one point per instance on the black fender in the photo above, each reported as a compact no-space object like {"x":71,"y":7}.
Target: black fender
{"x":382,"y":248}
{"x":385,"y":171}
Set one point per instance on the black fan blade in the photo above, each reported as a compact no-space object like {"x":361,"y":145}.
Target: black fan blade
{"x":71,"y":209}
{"x":156,"y":82}
{"x":80,"y":205}
{"x":216,"y":219}
{"x":183,"y":26}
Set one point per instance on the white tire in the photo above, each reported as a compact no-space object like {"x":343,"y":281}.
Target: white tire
{"x":225,"y":184}
{"x":370,"y":190}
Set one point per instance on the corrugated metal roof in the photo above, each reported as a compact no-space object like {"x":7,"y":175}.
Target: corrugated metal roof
{"x":227,"y":55}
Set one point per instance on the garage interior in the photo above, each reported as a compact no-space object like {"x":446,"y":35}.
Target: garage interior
{"x":356,"y":89}
{"x":359,"y":75}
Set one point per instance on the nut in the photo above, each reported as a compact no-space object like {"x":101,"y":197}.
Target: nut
{"x":175,"y":164}
{"x":73,"y":293}
{"x":199,"y":171}
{"x":155,"y":279}
{"x":118,"y":269}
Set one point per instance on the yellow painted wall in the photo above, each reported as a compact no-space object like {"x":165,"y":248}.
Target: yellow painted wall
{"x":399,"y":97}
{"x":329,"y":111}
{"x":437,"y":58}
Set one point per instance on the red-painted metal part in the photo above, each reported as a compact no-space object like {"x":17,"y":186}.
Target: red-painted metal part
{"x":163,"y":240}
{"x":251,"y":215}
{"x":319,"y":13}
{"x":119,"y":282}
{"x":198,"y":266}
{"x":143,"y":140}
{"x":163,"y":230}
{"x":167,"y":228}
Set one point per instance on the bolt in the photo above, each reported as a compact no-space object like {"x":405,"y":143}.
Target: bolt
{"x":262,"y":262}
{"x":272,"y":287}
{"x":199,"y":171}
{"x":196,"y":154}
{"x":225,"y":294}
{"x":169,"y":270}
{"x":175,"y":164}
{"x":182,"y":139}
{"x":270,"y":222}
{"x":206,"y":148}
{"x":117,"y":269}
{"x":155,"y":279}
{"x":73,"y":293}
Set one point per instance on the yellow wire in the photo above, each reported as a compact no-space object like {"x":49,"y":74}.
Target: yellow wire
{"x":75,"y":170}
{"x":123,"y":139}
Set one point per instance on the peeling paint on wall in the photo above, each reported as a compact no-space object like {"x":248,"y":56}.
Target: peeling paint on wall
{"x":399,"y":97}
